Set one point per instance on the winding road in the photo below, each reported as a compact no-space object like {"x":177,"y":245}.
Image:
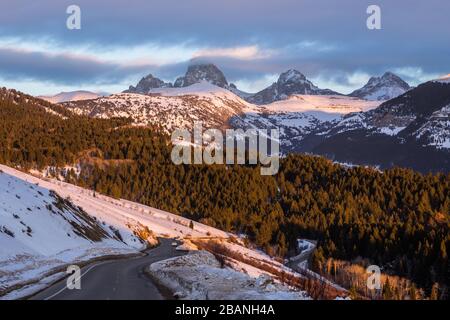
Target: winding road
{"x":122,"y":279}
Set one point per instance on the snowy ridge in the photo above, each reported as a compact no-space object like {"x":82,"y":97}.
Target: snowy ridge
{"x":71,"y":96}
{"x":444,"y":79}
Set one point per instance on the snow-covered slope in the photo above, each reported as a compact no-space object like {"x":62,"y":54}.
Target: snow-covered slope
{"x":71,"y":96}
{"x":199,"y":276}
{"x":436,"y":130}
{"x":302,"y":115}
{"x":168,"y":108}
{"x":46,"y":224}
{"x":382,"y":88}
{"x":40,"y":231}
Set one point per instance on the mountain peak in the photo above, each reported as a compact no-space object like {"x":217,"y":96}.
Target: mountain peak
{"x":289,"y":83}
{"x":147,"y":83}
{"x":202,"y":72}
{"x":291,"y":75}
{"x":386,"y":87}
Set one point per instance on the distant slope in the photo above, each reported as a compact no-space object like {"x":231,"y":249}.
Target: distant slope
{"x":412,"y":130}
{"x":301,"y":116}
{"x":71,"y":96}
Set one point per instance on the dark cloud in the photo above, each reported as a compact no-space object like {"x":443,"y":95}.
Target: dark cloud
{"x":62,"y":68}
{"x":415,"y":34}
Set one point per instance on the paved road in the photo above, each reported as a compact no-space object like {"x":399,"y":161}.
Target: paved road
{"x":115,"y":280}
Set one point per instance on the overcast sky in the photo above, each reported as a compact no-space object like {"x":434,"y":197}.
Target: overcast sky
{"x":252,"y":41}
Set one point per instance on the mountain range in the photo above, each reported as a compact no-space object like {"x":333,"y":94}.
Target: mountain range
{"x":290,"y":82}
{"x":409,"y":129}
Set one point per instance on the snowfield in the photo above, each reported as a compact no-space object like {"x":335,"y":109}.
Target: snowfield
{"x":199,"y":276}
{"x":302,"y":115}
{"x":333,"y":105}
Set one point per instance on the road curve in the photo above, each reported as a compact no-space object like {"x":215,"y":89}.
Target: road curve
{"x":122,"y":279}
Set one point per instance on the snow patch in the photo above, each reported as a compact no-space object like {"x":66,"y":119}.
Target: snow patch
{"x":199,"y":276}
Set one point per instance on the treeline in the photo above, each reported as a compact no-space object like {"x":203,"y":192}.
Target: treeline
{"x":398,"y":219}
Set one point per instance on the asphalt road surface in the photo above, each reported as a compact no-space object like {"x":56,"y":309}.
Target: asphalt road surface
{"x":122,"y":279}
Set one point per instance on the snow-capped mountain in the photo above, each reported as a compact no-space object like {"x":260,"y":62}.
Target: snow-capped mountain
{"x":289,"y":83}
{"x":202,"y":72}
{"x":382,"y":88}
{"x":195,"y":74}
{"x":172,"y":108}
{"x":72,"y":96}
{"x":319,"y":122}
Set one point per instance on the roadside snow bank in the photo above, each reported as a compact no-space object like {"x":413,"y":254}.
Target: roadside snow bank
{"x":199,"y":276}
{"x":187,"y":246}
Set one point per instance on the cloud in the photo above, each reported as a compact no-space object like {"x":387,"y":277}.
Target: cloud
{"x":250,"y":40}
{"x":242,"y":53}
{"x":66,"y":69}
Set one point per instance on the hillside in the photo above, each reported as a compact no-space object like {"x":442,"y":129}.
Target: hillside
{"x":411,"y":130}
{"x":57,"y":223}
{"x":167,"y":109}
